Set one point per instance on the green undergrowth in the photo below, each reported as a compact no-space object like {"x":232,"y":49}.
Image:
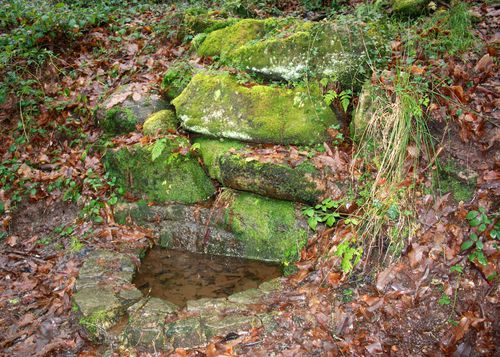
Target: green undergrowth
{"x":448,"y":31}
{"x":34,"y":32}
{"x":391,"y":133}
{"x":396,"y":141}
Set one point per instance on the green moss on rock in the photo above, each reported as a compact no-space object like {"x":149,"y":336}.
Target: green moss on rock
{"x":293,"y":50}
{"x":119,"y":121}
{"x":194,"y":22}
{"x":161,"y":122}
{"x":409,"y":7}
{"x":170,"y":177}
{"x":269,"y":229}
{"x":271,"y":179}
{"x":211,"y":150}
{"x":223,"y":41}
{"x":217,"y":105}
{"x":99,"y":309}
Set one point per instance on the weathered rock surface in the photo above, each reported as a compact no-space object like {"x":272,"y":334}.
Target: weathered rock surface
{"x":291,"y":49}
{"x":216,"y":105}
{"x":186,"y":333}
{"x":146,"y":326}
{"x":104,"y":291}
{"x":162,"y":122}
{"x":228,"y":162}
{"x":246,"y":225}
{"x":210,"y":306}
{"x":215,"y":326}
{"x":171,"y":177}
{"x":194,"y":22}
{"x":372,"y":103}
{"x":126,"y":108}
{"x":105,"y":295}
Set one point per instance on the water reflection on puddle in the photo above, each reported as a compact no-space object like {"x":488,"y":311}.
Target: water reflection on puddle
{"x":180,"y":276}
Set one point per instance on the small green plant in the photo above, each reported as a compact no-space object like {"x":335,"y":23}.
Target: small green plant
{"x":75,"y":245}
{"x":482,"y":226}
{"x":444,"y":300}
{"x":350,"y":254}
{"x":347,"y":295}
{"x":324,"y":212}
{"x":344,"y":98}
{"x":158,"y":148}
{"x":339,"y":137}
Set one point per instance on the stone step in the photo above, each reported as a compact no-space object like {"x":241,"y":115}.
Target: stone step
{"x":171,"y":177}
{"x":246,"y":168}
{"x":215,"y":104}
{"x":162,"y":122}
{"x":240,"y":225}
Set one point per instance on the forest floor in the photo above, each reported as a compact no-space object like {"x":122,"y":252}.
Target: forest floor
{"x":432,"y":300}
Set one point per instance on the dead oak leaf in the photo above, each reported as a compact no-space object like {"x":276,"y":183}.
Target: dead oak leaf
{"x":485,"y":64}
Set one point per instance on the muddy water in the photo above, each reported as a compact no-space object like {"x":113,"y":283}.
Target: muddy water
{"x":180,"y":276}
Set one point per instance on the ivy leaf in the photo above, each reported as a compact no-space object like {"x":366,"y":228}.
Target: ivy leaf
{"x":158,"y":147}
{"x":467,"y":244}
{"x":444,"y":300}
{"x":309,"y":212}
{"x":475,"y":222}
{"x":313,"y":223}
{"x":481,"y":258}
{"x":330,"y":221}
{"x":471,"y":215}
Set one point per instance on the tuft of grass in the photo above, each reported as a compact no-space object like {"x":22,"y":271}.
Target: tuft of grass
{"x":394,"y":141}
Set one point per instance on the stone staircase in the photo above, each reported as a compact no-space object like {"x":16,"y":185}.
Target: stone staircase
{"x":239,"y":178}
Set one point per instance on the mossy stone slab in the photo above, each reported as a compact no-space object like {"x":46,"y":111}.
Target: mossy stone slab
{"x":146,"y":323}
{"x":223,"y":41}
{"x":212,"y":149}
{"x":100,"y":309}
{"x":186,"y":333}
{"x":244,"y":225}
{"x":215,"y":104}
{"x":198,"y":22}
{"x":162,"y":122}
{"x":171,"y":177}
{"x":268,"y":229}
{"x":216,"y":326}
{"x":292,"y":49}
{"x":302,"y":183}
